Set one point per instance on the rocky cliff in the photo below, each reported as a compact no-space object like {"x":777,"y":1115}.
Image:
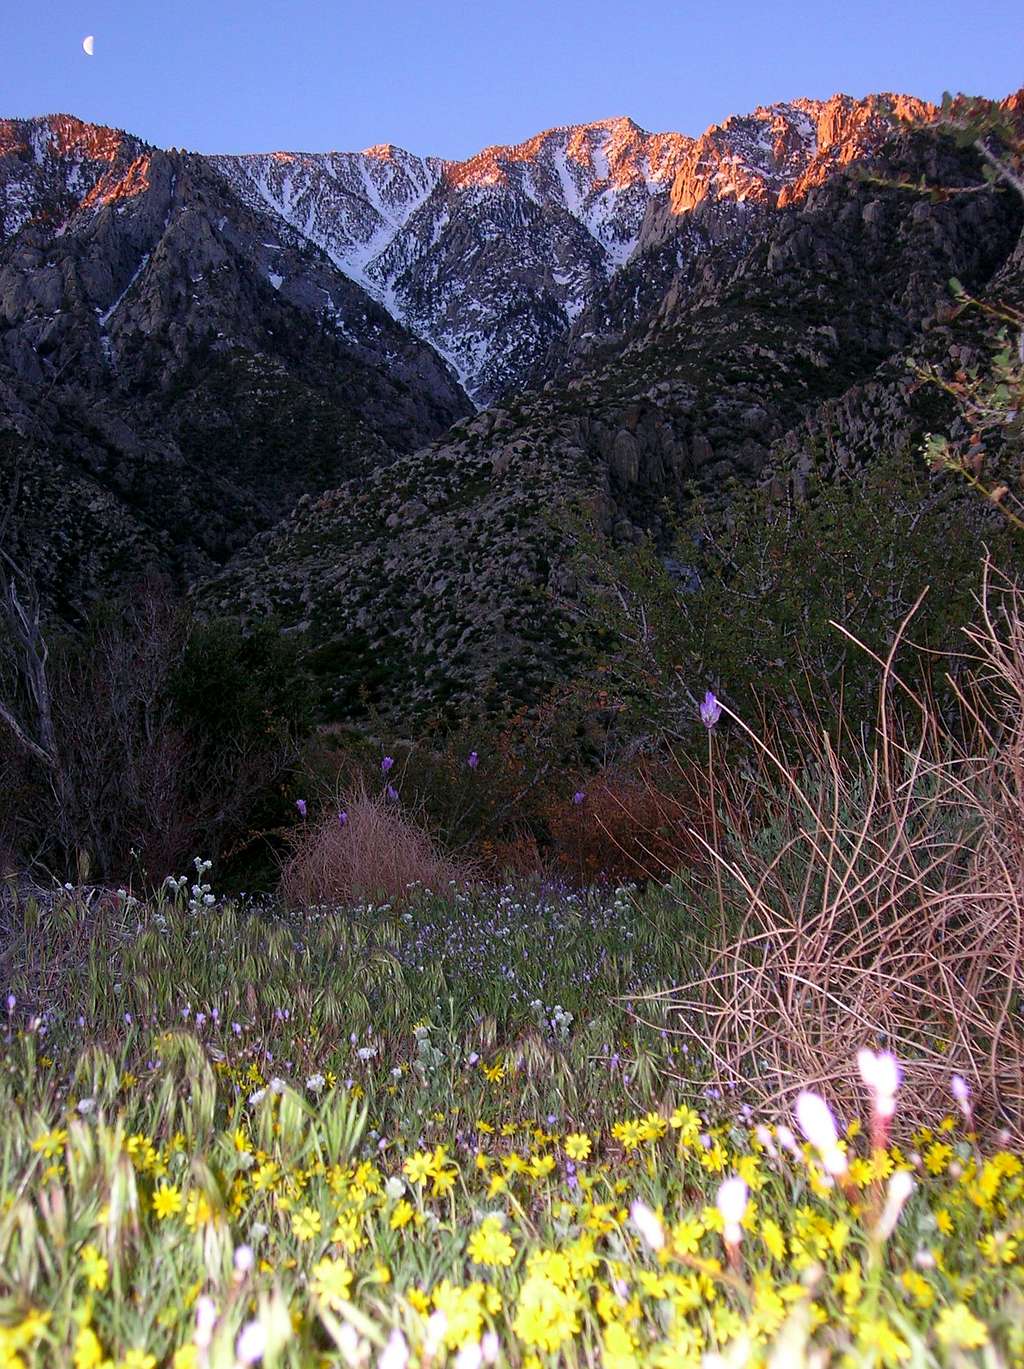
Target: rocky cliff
{"x":177,"y":368}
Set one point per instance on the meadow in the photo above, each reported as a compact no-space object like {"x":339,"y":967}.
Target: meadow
{"x":760,"y":1107}
{"x":469,"y":1126}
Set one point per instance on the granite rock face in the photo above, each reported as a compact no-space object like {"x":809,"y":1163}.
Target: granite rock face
{"x":246,"y":371}
{"x":176,"y":363}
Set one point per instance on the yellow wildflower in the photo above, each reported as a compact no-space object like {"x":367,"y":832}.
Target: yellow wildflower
{"x":88,"y":1350}
{"x":50,"y":1142}
{"x":332,"y":1280}
{"x":546,"y":1315}
{"x":96,"y":1268}
{"x":167,"y":1201}
{"x":578,"y":1146}
{"x":958,"y":1328}
{"x":306,"y":1223}
{"x":489,"y":1245}
{"x":402,"y":1215}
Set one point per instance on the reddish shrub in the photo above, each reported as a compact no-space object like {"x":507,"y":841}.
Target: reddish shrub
{"x":633,"y":825}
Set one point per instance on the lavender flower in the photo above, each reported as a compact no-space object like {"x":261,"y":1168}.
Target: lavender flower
{"x":473,"y":760}
{"x":578,"y":797}
{"x":710,"y":710}
{"x":300,"y":804}
{"x":392,"y":792}
{"x":342,"y":819}
{"x":387,"y":763}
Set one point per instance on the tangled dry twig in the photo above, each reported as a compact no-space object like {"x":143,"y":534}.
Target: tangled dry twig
{"x":884,"y":902}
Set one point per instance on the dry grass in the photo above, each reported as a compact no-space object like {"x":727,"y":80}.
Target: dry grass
{"x":377,"y":855}
{"x":883,"y":903}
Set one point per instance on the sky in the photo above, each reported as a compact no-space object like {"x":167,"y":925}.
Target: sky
{"x":450,"y":78}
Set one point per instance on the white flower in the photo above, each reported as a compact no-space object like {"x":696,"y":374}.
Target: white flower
{"x":86,"y":1106}
{"x":394,"y":1187}
{"x":646,"y":1222}
{"x":315,"y":1083}
{"x":277,"y":1084}
{"x":437,"y":1325}
{"x":787,"y":1140}
{"x":732,"y":1204}
{"x":764,"y":1136}
{"x":206,"y":1316}
{"x":819,"y":1126}
{"x":901,"y":1185}
{"x":257,"y":1097}
{"x":244,"y":1259}
{"x":961,"y":1092}
{"x":252,"y":1343}
{"x":471,"y":1356}
{"x":882,"y":1075}
{"x":395,"y":1354}
{"x":490,"y":1347}
{"x":353,"y":1350}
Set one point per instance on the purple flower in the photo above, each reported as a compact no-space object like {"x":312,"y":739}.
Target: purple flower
{"x":300,"y":804}
{"x":343,"y":819}
{"x":710,"y":710}
{"x":578,"y":797}
{"x":473,"y":760}
{"x":387,"y":763}
{"x":392,"y":792}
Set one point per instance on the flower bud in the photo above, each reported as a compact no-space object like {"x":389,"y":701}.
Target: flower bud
{"x":646,"y":1222}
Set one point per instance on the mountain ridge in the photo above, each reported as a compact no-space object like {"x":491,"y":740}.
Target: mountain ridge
{"x":604,"y":190}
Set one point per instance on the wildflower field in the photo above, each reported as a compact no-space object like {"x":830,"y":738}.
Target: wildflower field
{"x":454,"y":1132}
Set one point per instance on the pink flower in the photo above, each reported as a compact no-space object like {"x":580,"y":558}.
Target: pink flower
{"x":814,"y":1117}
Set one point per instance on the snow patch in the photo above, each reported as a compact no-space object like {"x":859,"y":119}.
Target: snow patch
{"x":104,"y":319}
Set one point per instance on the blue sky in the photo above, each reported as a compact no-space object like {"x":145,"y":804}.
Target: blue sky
{"x":448,"y":79}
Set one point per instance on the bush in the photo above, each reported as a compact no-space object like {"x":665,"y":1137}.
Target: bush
{"x":631,"y":826}
{"x":882,"y":898}
{"x":368,"y":849}
{"x":164,"y":737}
{"x":767,"y":581}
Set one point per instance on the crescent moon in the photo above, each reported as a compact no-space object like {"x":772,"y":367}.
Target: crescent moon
{"x":88,"y":45}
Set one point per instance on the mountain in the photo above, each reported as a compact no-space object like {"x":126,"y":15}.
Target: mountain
{"x":246,"y":370}
{"x":177,"y":368}
{"x":494,"y":260}
{"x":435,"y":583}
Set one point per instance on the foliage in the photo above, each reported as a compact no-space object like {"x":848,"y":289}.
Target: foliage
{"x":309,"y":1136}
{"x":166,"y":732}
{"x":988,"y":395}
{"x":768,"y":586}
{"x":481,"y":786}
{"x":631,"y":825}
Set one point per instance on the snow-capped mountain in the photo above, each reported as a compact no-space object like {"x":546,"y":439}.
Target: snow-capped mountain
{"x":498,"y":260}
{"x":493,"y":258}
